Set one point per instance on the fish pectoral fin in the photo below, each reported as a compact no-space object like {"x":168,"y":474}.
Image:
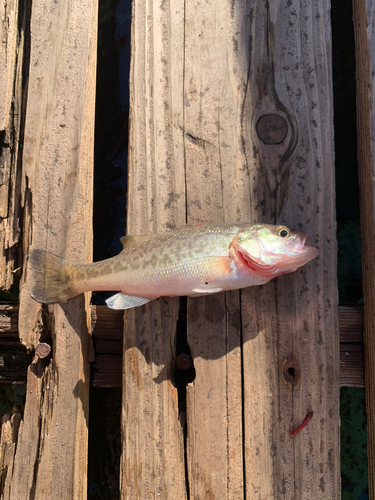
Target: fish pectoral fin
{"x":122,"y":301}
{"x":205,"y":291}
{"x":129,"y":240}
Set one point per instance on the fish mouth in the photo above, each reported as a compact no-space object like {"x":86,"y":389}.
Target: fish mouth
{"x":297,"y":244}
{"x":302,"y":252}
{"x":310,"y":253}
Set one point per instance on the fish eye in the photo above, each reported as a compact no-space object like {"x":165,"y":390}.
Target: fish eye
{"x":282,"y":231}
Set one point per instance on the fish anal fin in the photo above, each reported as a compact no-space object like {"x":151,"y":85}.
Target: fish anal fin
{"x":129,"y":240}
{"x":122,"y":301}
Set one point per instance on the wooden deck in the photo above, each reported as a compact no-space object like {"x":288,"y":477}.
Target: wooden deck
{"x":108,"y":332}
{"x":231,"y":113}
{"x":231,"y":120}
{"x":49,"y":106}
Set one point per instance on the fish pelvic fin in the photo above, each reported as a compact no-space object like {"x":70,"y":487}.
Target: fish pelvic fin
{"x":122,"y":301}
{"x":52,"y":277}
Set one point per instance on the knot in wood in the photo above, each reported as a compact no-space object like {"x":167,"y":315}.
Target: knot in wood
{"x":271,"y":129}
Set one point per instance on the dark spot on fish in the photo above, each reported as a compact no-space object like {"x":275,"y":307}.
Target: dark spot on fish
{"x":119,"y":266}
{"x":165,"y":260}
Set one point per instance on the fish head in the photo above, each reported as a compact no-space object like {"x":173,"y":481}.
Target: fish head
{"x":269,"y":251}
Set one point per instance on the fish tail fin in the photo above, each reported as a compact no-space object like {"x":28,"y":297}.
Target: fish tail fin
{"x":52,"y":277}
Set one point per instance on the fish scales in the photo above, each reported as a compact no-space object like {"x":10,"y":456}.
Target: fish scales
{"x":192,"y":260}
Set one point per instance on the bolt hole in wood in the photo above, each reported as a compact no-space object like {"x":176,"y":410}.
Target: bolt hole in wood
{"x":291,"y":372}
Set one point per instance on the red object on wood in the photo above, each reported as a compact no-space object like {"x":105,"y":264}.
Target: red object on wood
{"x":305,"y":421}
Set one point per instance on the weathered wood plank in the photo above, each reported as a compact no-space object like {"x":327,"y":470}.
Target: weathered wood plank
{"x":8,"y":441}
{"x":243,"y":62}
{"x":107,"y":334}
{"x":352,"y":362}
{"x":13,"y":17}
{"x":364,"y":32}
{"x":214,"y":399}
{"x":296,"y":320}
{"x":152,"y":461}
{"x":56,"y":195}
{"x":9,"y":318}
{"x":351,"y":323}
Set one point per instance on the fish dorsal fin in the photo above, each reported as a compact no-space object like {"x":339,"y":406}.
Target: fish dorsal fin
{"x":128,"y":241}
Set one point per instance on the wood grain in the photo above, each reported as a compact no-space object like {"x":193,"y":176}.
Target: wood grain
{"x":364,"y":32}
{"x":8,"y":441}
{"x":352,"y":369}
{"x":107,"y":334}
{"x":260,"y":59}
{"x":351,"y":323}
{"x":294,"y":326}
{"x":211,"y":121}
{"x":56,"y":198}
{"x":231,"y":112}
{"x":13,"y":17}
{"x":152,"y":463}
{"x":352,"y":364}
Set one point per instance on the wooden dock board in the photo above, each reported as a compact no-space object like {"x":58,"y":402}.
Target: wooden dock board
{"x":364,"y":32}
{"x":107,"y":334}
{"x":12,"y":100}
{"x":211,"y":146}
{"x":152,"y":461}
{"x":55,"y":187}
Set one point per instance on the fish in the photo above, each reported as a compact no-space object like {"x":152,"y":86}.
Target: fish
{"x":192,"y":260}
